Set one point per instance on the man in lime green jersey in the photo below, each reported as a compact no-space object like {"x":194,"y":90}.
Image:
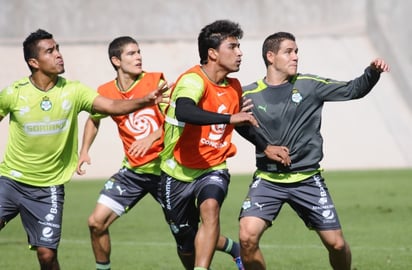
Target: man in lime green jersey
{"x":41,"y":153}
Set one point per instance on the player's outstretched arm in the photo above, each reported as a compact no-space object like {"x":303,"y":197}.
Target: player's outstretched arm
{"x":109,"y":106}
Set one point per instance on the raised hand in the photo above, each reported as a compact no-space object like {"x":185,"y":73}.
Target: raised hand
{"x":379,"y":65}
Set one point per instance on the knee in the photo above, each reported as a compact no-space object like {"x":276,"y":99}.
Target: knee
{"x":95,"y":226}
{"x":250,"y":231}
{"x":248,"y":240}
{"x":338,"y":245}
{"x":248,"y":243}
{"x":46,"y":256}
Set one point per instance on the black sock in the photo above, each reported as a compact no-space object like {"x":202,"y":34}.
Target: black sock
{"x":232,"y":248}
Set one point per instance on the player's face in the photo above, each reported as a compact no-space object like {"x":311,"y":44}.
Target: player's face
{"x":229,"y":55}
{"x":131,"y":60}
{"x":286,"y":59}
{"x":49,"y":59}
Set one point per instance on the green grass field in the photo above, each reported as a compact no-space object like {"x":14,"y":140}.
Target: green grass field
{"x":375,"y":209}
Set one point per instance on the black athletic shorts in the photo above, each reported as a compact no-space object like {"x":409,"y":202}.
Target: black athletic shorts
{"x":181,"y":199}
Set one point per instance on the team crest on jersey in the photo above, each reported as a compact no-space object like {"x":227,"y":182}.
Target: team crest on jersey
{"x":296,"y":96}
{"x":46,"y":104}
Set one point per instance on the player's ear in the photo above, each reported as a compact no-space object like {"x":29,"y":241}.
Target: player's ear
{"x":33,"y":63}
{"x":212,"y":53}
{"x":115,"y":61}
{"x":270,"y":56}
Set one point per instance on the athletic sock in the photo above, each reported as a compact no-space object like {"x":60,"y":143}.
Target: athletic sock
{"x":199,"y":268}
{"x":232,"y":248}
{"x":103,"y":266}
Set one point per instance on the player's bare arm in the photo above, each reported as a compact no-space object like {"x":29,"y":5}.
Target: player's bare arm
{"x":122,"y":106}
{"x":91,"y":128}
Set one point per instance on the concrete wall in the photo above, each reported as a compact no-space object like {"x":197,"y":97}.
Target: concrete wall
{"x":390,"y":31}
{"x":101,"y":20}
{"x":336,"y":39}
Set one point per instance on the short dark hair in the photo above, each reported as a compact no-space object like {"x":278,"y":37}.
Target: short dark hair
{"x":30,"y":49}
{"x":212,"y":35}
{"x":117,"y":45}
{"x":272,"y":43}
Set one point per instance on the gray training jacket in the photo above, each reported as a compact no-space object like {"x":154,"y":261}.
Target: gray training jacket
{"x":290,"y":115}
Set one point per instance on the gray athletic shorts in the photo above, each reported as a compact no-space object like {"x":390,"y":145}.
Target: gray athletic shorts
{"x":309,"y":198}
{"x":40,"y":209}
{"x":126,"y":188}
{"x":181,"y":199}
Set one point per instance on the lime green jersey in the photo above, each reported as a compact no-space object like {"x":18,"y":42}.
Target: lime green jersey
{"x":43,"y":130}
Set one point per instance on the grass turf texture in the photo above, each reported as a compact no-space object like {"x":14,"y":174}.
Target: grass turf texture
{"x":375,"y":208}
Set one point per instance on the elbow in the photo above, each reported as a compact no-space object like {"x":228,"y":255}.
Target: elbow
{"x":180,"y":115}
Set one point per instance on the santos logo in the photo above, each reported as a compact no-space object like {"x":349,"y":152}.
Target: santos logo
{"x":47,"y":232}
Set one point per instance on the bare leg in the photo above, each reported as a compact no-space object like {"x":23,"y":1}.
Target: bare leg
{"x":47,"y":258}
{"x":340,"y":256}
{"x":2,"y":223}
{"x":99,"y":222}
{"x":250,"y":232}
{"x":208,"y":233}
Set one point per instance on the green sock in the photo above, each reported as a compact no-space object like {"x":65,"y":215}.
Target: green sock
{"x":199,"y":268}
{"x":103,"y":266}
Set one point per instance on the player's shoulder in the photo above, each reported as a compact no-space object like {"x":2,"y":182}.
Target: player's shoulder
{"x":108,"y":84}
{"x":191,"y":79}
{"x":307,"y":77}
{"x":73,"y":86}
{"x":153,"y":73}
{"x":64,"y":82}
{"x":250,"y":86}
{"x":23,"y":82}
{"x":254,"y":87}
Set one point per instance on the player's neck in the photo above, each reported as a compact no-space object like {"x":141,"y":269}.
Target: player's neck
{"x":276,"y":78}
{"x":43,"y":82}
{"x":125,"y":81}
{"x":214,"y":75}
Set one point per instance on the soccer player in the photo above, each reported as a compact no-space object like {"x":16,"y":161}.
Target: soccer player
{"x":204,"y":107}
{"x":41,"y":153}
{"x":288,"y":107}
{"x":141,"y":135}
